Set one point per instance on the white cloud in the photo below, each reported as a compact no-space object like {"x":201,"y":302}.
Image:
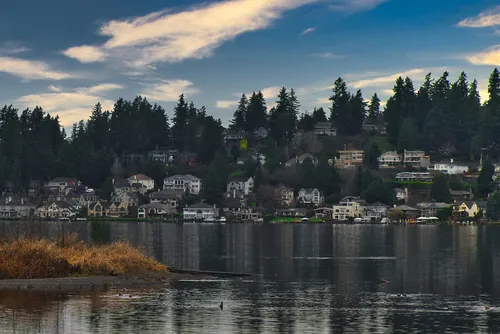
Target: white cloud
{"x":328,"y":55}
{"x":191,"y":34}
{"x":168,"y":90}
{"x":489,"y":18}
{"x":101,"y":88}
{"x":353,"y":6}
{"x":490,"y":56}
{"x":72,"y":105}
{"x":383,"y":80}
{"x":226,"y":104}
{"x":31,"y":69}
{"x":307,"y":31}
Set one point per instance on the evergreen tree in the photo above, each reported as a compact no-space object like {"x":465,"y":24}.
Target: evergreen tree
{"x":374,"y":108}
{"x":440,"y":190}
{"x":319,"y":115}
{"x":357,"y":113}
{"x":256,"y":115}
{"x":423,"y":103}
{"x":181,"y":116}
{"x":238,"y":121}
{"x":408,"y":135}
{"x":485,"y":178}
{"x":340,"y":108}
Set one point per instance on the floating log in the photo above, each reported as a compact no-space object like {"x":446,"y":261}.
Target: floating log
{"x":206,"y":273}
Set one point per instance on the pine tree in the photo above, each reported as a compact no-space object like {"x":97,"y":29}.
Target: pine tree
{"x":423,"y":103}
{"x":181,"y":116}
{"x":340,"y":109}
{"x":374,"y":108}
{"x":256,"y":115}
{"x":357,"y":111}
{"x":319,"y":115}
{"x":238,"y":121}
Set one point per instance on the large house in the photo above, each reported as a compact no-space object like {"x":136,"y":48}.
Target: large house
{"x":200,"y":211}
{"x":284,"y":196}
{"x":128,"y":198}
{"x":169,"y":198}
{"x":389,"y":159}
{"x":56,"y":210}
{"x":348,"y":207}
{"x":414,"y":176}
{"x":432,"y":209}
{"x":107,"y":209}
{"x":240,"y":184}
{"x":468,"y":208}
{"x":155,"y":210}
{"x":187,"y":183}
{"x":12,"y":207}
{"x":416,"y":159}
{"x":310,"y":196}
{"x":324,"y":129}
{"x":142,"y":179}
{"x":349,"y":158}
{"x":124,"y":186}
{"x":450,"y":168}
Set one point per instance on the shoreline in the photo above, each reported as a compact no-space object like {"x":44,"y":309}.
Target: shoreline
{"x":78,"y":284}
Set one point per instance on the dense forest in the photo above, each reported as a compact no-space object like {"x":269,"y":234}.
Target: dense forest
{"x":444,"y":118}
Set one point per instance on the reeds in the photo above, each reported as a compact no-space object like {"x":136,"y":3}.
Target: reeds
{"x":33,"y":258}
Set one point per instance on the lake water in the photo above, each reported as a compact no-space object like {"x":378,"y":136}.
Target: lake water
{"x":316,"y":278}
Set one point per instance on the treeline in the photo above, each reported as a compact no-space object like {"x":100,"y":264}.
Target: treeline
{"x":441,"y":117}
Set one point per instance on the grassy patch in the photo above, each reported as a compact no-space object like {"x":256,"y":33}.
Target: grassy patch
{"x":34,"y":258}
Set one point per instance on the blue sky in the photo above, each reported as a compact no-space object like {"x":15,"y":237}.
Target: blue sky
{"x":66,"y":56}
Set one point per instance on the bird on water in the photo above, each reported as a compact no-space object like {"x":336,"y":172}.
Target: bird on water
{"x":221,"y":306}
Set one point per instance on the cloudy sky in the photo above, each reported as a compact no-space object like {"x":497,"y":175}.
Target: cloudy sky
{"x":67,"y":55}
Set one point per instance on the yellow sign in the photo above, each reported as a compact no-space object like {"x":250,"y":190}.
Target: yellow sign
{"x":243,"y":144}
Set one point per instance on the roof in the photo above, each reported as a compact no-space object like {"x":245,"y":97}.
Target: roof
{"x":405,"y":208}
{"x":140,"y":177}
{"x":323,"y":125}
{"x":309,"y":190}
{"x":239,"y":178}
{"x":120,"y":183}
{"x":63,"y":179}
{"x":378,"y":204}
{"x":184,"y":177}
{"x":166,"y":194}
{"x":459,"y":192}
{"x":301,"y":157}
{"x":201,"y":206}
{"x":157,"y":206}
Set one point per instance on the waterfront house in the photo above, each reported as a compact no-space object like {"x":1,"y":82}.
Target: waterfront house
{"x":349,"y":158}
{"x":408,"y":212}
{"x":468,"y":208}
{"x":142,"y":179}
{"x":128,"y":198}
{"x":414,"y":176}
{"x":300,"y":159}
{"x":284,"y":196}
{"x":349,"y":207}
{"x":401,"y":195}
{"x":431,"y":209}
{"x":107,"y":209}
{"x":324,"y":129}
{"x":450,"y":168}
{"x":416,"y":159}
{"x":117,"y":210}
{"x":155,"y":210}
{"x":324,"y":213}
{"x":200,"y":211}
{"x":97,"y":209}
{"x":310,"y":196}
{"x":16,"y":207}
{"x":376,"y":209}
{"x":293,"y":212}
{"x":56,"y":210}
{"x":187,"y":183}
{"x":237,"y":209}
{"x":389,"y":159}
{"x":240,"y":183}
{"x":170,"y":198}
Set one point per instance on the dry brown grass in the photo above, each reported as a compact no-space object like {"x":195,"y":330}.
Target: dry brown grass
{"x":31,"y":258}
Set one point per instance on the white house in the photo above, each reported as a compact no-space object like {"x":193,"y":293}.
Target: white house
{"x":389,"y":159}
{"x":450,"y":168}
{"x":349,"y":207}
{"x":200,"y":211}
{"x":401,"y":195}
{"x":187,"y":183}
{"x":240,"y":184}
{"x":310,"y":196}
{"x":56,"y":210}
{"x":142,"y":179}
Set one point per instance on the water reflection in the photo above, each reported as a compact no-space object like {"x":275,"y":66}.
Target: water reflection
{"x":309,"y":279}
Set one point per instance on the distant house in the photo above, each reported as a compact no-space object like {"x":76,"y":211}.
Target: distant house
{"x":293,"y":212}
{"x":84,"y":198}
{"x":240,"y":183}
{"x":234,"y":136}
{"x":162,"y":157}
{"x":310,"y":196}
{"x":145,"y":180}
{"x":408,"y":211}
{"x":284,"y":196}
{"x":375,"y":210}
{"x":63,"y":185}
{"x":416,"y":159}
{"x":414,"y":176}
{"x":462,"y":195}
{"x":349,"y":158}
{"x":325,"y":129}
{"x":260,"y":133}
{"x":300,"y":159}
{"x":56,"y":210}
{"x":16,"y":207}
{"x":155,"y":210}
{"x":389,"y":159}
{"x":186,"y":183}
{"x":200,"y":211}
{"x":128,"y":198}
{"x":170,"y":198}
{"x":431,"y":209}
{"x":107,"y":209}
{"x":349,"y":207}
{"x":450,"y":168}
{"x":401,"y":195}
{"x":468,"y":208}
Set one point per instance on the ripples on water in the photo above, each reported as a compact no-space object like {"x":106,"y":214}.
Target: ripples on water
{"x":309,"y":279}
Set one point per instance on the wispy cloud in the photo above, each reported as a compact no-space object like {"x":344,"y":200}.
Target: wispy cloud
{"x":172,"y":37}
{"x":307,"y":31}
{"x":353,"y":6}
{"x":490,"y":56}
{"x":226,"y":104}
{"x":488,"y":18}
{"x":71,"y":105}
{"x":31,"y":69}
{"x":328,"y":55}
{"x":386,"y":79}
{"x":168,"y":90}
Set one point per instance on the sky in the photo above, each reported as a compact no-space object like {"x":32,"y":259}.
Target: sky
{"x":66,"y":56}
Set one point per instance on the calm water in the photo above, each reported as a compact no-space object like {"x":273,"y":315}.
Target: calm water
{"x":308,"y":279}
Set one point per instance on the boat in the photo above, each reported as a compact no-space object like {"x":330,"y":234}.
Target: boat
{"x":304,"y":220}
{"x":209,"y":220}
{"x":222,"y":219}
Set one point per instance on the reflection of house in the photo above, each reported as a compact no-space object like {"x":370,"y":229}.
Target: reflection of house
{"x":284,"y":196}
{"x":295,"y":212}
{"x":240,"y":183}
{"x":432,"y":209}
{"x":324,"y":129}
{"x":155,"y":210}
{"x":349,"y":158}
{"x":468,"y":208}
{"x":56,"y":210}
{"x":145,"y":180}
{"x":200,"y":211}
{"x":300,"y":159}
{"x":389,"y":159}
{"x":415,"y":159}
{"x":186,"y":183}
{"x":450,"y":168}
{"x":414,"y":176}
{"x":310,"y":196}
